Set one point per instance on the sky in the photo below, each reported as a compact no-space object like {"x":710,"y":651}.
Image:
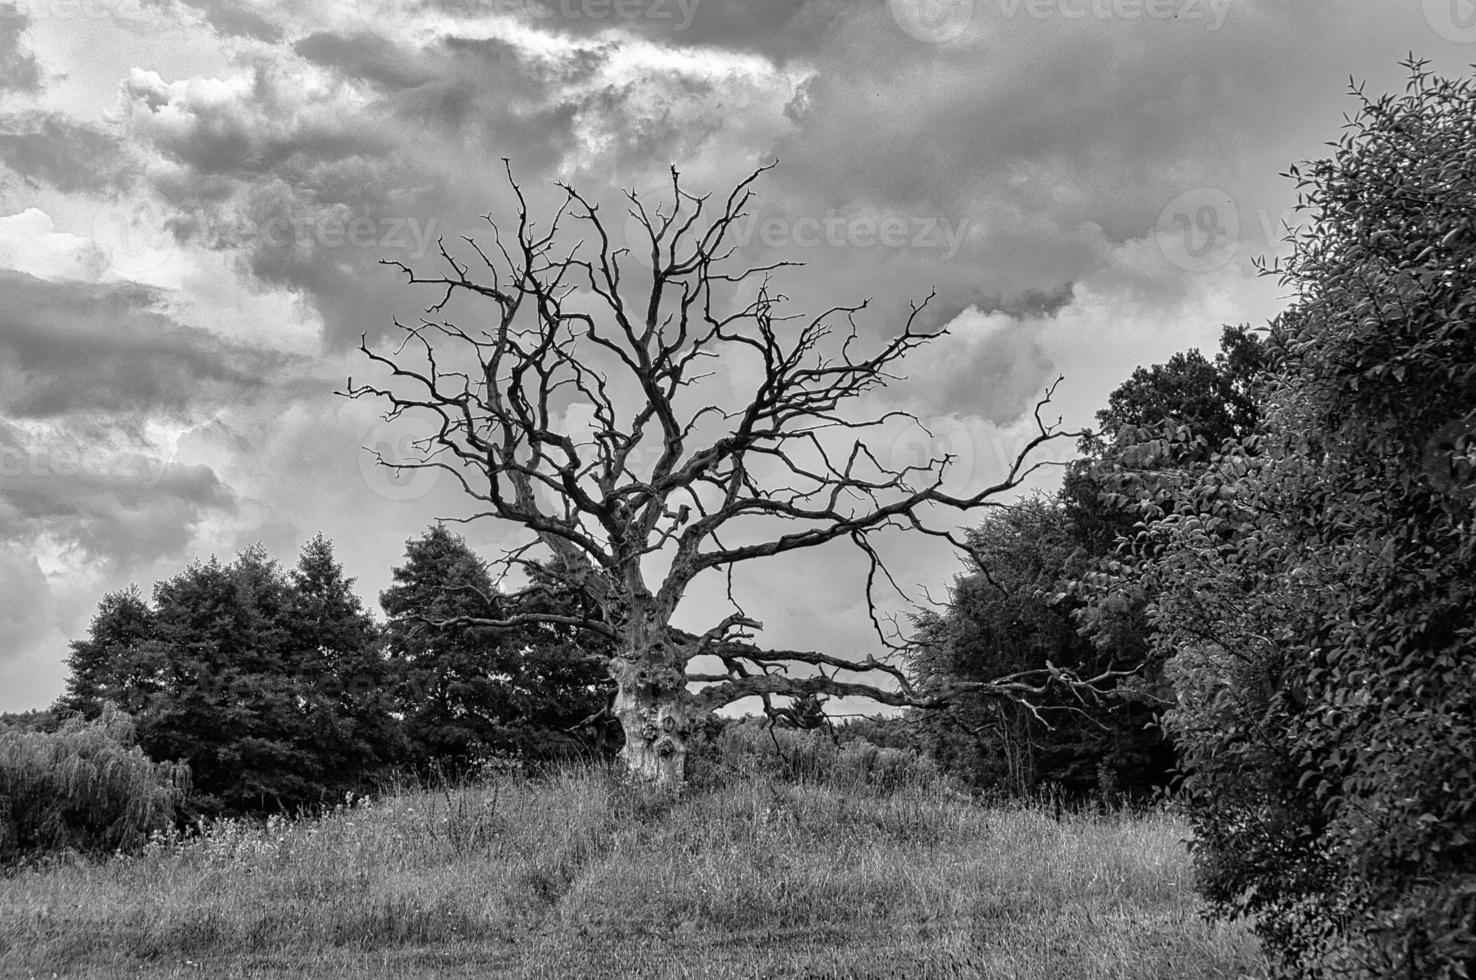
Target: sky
{"x":196,"y":195}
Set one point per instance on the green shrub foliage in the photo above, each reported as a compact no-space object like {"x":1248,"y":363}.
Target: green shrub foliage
{"x":1315,"y":586}
{"x":86,"y":788}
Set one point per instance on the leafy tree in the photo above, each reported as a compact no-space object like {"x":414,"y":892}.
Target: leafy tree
{"x":1009,"y":612}
{"x":263,"y":683}
{"x":1021,"y":601}
{"x":35,"y":720}
{"x":665,"y":465}
{"x":1315,"y":586}
{"x":1217,"y":400}
{"x":86,"y":787}
{"x":466,"y":690}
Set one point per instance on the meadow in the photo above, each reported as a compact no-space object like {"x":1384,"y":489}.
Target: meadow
{"x":578,"y":874}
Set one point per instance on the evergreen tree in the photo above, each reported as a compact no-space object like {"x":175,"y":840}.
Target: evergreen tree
{"x":233,"y":703}
{"x":341,"y":655}
{"x":269,"y":686}
{"x":448,"y":671}
{"x":112,"y":663}
{"x":465,"y":690}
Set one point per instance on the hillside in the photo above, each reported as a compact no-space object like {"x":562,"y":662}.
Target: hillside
{"x":579,"y":875}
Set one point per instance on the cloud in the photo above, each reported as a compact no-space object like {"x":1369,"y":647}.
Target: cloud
{"x":237,"y":20}
{"x":26,"y":614}
{"x":31,"y":645}
{"x":778,"y":30}
{"x":93,"y":348}
{"x":18,"y":69}
{"x":367,"y":56}
{"x":52,"y":149}
{"x":277,"y":163}
{"x":30,"y":243}
{"x":99,"y":490}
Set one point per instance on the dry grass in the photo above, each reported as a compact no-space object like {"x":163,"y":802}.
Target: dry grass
{"x":577,"y":875}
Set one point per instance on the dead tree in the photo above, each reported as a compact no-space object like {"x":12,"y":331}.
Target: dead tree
{"x":659,"y":484}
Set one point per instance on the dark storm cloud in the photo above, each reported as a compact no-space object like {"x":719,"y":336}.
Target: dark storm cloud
{"x":49,"y":148}
{"x":366,"y":56}
{"x":81,"y":483}
{"x":81,"y":348}
{"x":1038,"y":148}
{"x":776,"y":29}
{"x":1054,"y":143}
{"x":487,"y":100}
{"x":311,"y":192}
{"x":1042,"y":126}
{"x":232,"y":19}
{"x":262,"y":132}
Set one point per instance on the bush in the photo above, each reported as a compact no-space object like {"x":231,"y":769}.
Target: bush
{"x":84,"y":788}
{"x":1315,"y":585}
{"x":752,"y":747}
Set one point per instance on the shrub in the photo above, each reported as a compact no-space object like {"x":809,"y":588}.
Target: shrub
{"x":752,"y":747}
{"x":1315,"y":586}
{"x":85,"y":788}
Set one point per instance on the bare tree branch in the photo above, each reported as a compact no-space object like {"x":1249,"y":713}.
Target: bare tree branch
{"x":582,"y":411}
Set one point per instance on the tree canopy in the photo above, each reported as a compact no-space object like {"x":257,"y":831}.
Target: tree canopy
{"x":270,"y":686}
{"x":1314,"y":586}
{"x":465,"y":691}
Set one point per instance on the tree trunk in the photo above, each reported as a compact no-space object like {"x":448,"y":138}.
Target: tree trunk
{"x":655,"y":711}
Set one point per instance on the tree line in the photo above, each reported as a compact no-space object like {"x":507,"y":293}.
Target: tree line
{"x":281,"y":691}
{"x":1283,"y":542}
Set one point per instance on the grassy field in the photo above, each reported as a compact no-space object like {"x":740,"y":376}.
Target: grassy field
{"x":577,"y":875}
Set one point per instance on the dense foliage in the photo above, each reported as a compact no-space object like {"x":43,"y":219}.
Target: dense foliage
{"x":1314,"y":587}
{"x":86,"y":788}
{"x":736,"y":748}
{"x":279,"y":690}
{"x":269,"y":685}
{"x":467,"y":692}
{"x":1008,"y":614}
{"x":1019,"y":605}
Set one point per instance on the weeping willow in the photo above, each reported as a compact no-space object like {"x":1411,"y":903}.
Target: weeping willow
{"x":86,"y":788}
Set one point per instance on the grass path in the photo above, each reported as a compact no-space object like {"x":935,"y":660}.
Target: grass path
{"x":579,"y":876}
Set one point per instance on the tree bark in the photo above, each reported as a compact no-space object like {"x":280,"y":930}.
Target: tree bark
{"x":656,"y":713}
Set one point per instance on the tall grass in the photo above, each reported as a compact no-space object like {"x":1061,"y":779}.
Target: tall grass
{"x":578,"y":874}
